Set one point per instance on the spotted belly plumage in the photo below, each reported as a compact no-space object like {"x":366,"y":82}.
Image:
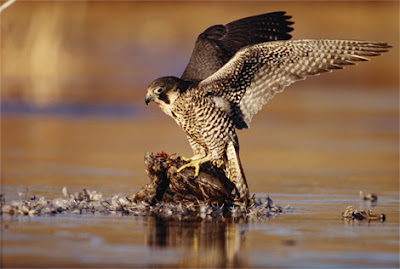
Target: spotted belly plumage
{"x":207,"y":122}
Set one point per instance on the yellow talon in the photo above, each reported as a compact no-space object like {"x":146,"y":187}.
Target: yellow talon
{"x":191,"y":164}
{"x":194,"y":163}
{"x":186,"y":159}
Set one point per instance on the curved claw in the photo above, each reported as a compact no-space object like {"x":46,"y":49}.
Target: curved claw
{"x":194,"y":163}
{"x":191,"y":164}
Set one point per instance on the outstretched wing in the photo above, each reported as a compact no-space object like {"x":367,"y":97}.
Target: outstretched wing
{"x":256,"y":73}
{"x":216,"y":45}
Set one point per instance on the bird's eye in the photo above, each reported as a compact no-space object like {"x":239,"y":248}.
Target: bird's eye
{"x":158,"y":90}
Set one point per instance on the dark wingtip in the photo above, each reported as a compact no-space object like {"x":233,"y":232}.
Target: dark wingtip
{"x":289,"y":29}
{"x":279,"y":13}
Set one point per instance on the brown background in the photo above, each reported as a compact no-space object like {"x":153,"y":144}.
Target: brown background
{"x":104,"y":51}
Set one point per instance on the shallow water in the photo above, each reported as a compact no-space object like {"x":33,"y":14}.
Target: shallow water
{"x":317,"y":161}
{"x":313,"y":235}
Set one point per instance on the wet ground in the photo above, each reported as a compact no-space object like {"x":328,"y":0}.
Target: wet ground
{"x":310,"y":149}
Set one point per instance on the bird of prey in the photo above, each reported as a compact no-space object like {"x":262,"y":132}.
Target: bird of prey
{"x":234,"y":70}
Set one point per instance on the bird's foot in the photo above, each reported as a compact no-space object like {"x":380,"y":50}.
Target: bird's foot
{"x":195,"y":157}
{"x":186,"y":159}
{"x":194,"y":163}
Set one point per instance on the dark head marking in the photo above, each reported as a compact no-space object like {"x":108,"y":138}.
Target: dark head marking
{"x":161,"y":88}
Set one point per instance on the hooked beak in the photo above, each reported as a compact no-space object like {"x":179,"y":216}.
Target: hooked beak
{"x":149,"y":98}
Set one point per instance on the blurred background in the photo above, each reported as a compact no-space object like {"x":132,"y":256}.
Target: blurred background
{"x":108,"y":52}
{"x":74,"y":76}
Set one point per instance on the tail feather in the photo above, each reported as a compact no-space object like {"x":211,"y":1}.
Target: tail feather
{"x":234,"y":171}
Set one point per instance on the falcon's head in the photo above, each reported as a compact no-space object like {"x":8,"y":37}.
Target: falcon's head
{"x":165,"y":90}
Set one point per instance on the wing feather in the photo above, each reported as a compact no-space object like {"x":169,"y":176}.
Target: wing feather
{"x":257,"y":73}
{"x":217,"y":44}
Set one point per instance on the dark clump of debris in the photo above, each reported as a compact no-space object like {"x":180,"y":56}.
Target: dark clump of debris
{"x":168,"y":186}
{"x":372,"y":197}
{"x":169,"y":194}
{"x":93,"y":202}
{"x":354,"y":214}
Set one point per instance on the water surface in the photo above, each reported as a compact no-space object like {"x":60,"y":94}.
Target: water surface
{"x":315,"y":155}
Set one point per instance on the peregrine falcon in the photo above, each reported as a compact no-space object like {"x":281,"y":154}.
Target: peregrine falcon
{"x":234,"y":70}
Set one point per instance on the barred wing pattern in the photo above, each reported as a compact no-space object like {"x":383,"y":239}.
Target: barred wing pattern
{"x":256,"y":73}
{"x":217,"y":44}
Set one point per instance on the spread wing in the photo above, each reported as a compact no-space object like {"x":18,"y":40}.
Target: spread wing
{"x":216,"y":45}
{"x":256,"y":73}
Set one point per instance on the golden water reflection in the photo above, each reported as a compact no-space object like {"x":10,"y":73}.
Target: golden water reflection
{"x":313,"y":234}
{"x":208,"y":243}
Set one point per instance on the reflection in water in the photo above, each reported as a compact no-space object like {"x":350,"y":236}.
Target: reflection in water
{"x":215,"y":243}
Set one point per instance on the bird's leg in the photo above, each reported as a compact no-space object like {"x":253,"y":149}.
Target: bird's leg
{"x":196,"y":164}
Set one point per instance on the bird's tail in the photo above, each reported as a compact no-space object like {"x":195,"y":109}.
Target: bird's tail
{"x":234,"y":171}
